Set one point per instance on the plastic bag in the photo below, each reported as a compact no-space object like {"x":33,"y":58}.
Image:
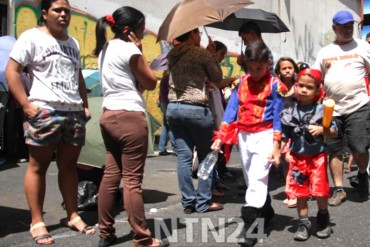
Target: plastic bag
{"x":87,"y":196}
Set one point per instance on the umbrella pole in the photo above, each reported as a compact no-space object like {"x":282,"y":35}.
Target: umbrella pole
{"x":205,"y":30}
{"x":241,"y":47}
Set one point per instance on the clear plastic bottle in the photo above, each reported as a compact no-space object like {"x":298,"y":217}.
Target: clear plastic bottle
{"x":205,"y":168}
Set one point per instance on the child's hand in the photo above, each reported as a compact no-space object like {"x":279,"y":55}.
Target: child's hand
{"x":216,"y":145}
{"x":274,"y":157}
{"x":315,"y":130}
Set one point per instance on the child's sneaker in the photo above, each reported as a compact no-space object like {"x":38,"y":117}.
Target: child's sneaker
{"x":323,"y":228}
{"x":303,"y":232}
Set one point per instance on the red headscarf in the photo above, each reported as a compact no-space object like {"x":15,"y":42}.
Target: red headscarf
{"x":316,"y":74}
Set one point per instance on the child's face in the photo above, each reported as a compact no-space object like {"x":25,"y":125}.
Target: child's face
{"x":257,"y":69}
{"x":306,"y":90}
{"x":286,"y":70}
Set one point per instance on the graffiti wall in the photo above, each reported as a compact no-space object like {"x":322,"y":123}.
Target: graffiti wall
{"x":82,"y":27}
{"x":310,"y":29}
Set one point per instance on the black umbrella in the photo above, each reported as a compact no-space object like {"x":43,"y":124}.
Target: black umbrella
{"x":267,"y":21}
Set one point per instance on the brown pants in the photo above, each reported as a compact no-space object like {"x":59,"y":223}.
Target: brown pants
{"x":125,"y":137}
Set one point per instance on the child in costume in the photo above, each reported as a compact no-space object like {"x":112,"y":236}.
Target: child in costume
{"x":302,"y":123}
{"x":252,"y":120}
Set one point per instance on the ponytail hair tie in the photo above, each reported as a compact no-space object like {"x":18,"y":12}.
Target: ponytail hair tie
{"x":110,"y":20}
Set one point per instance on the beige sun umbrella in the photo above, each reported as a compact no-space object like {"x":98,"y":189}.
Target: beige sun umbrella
{"x":190,"y":14}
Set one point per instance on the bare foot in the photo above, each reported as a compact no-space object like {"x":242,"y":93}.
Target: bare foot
{"x":159,"y":243}
{"x":292,"y":203}
{"x":286,"y":201}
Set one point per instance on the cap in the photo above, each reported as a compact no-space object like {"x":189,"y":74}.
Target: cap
{"x":342,"y":17}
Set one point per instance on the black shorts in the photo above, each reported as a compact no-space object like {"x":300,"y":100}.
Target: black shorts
{"x":353,"y":130}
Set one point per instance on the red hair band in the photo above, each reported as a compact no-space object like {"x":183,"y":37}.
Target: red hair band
{"x":316,"y":74}
{"x":110,"y":20}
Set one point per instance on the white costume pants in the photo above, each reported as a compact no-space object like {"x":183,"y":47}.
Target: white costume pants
{"x":254,"y":150}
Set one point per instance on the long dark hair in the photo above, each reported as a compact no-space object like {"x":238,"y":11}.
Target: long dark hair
{"x":282,"y":59}
{"x":45,"y":5}
{"x":122,"y":17}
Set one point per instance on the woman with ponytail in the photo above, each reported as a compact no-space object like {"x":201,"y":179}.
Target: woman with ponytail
{"x":124,"y":75}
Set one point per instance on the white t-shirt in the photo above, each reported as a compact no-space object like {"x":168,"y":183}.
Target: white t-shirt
{"x":344,"y":69}
{"x":53,"y":66}
{"x":118,"y":82}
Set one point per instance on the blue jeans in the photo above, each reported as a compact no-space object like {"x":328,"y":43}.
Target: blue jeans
{"x":165,"y":129}
{"x":192,"y":126}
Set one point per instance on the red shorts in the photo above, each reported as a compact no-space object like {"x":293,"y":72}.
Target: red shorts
{"x":308,"y":176}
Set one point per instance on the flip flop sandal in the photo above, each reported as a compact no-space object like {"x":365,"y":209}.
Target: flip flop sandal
{"x":346,"y":170}
{"x":40,"y":236}
{"x":71,"y":225}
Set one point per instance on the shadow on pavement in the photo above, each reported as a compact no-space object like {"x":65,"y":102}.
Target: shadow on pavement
{"x":155,"y":196}
{"x":12,"y":220}
{"x":9,"y":164}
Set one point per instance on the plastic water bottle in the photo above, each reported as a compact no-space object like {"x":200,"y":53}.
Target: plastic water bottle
{"x":205,"y":168}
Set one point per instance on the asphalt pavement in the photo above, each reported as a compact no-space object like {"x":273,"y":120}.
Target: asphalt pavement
{"x":350,"y":222}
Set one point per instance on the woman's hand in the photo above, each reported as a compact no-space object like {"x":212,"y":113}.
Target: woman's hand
{"x":87,"y":114}
{"x":30,"y":110}
{"x":216,"y":145}
{"x":132,"y":37}
{"x":139,"y":87}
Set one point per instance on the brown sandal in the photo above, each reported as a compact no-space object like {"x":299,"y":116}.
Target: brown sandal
{"x":39,"y":237}
{"x":85,"y":230}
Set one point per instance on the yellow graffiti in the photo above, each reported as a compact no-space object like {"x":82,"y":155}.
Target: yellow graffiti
{"x":26,"y":18}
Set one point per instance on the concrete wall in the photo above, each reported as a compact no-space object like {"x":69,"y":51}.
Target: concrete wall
{"x":309,"y":23}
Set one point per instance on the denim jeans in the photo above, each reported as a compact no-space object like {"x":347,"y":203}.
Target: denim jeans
{"x":165,"y":130}
{"x":192,"y":126}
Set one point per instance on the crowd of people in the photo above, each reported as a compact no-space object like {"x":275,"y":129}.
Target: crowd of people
{"x":274,"y":115}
